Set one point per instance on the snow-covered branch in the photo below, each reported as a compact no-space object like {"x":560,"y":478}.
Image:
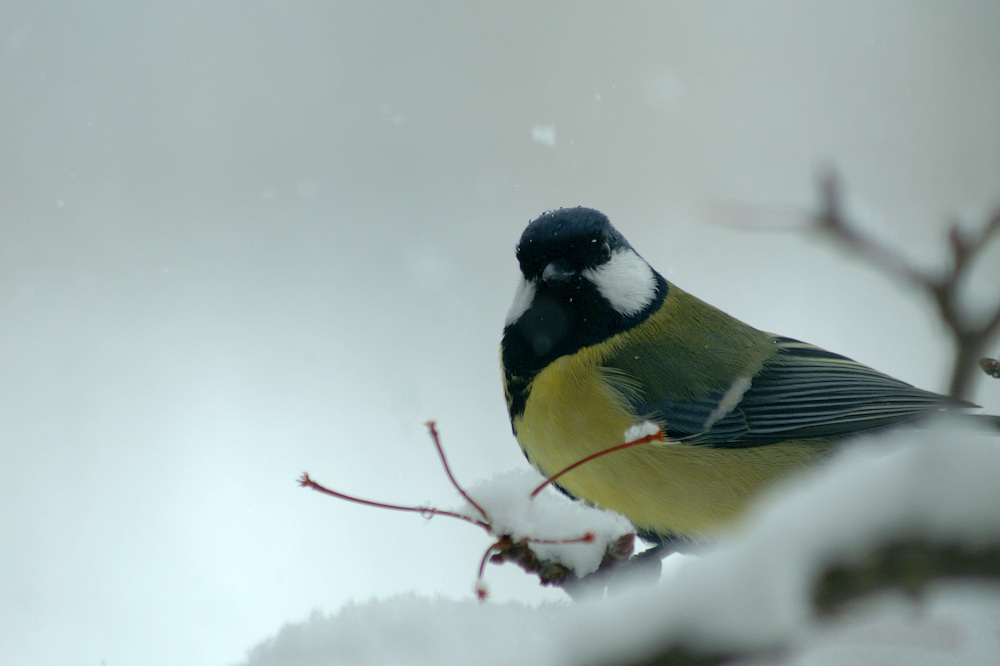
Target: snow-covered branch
{"x":909,"y":565}
{"x":564,"y":543}
{"x":894,"y":512}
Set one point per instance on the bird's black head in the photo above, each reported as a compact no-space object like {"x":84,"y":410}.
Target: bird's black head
{"x":565,"y":241}
{"x":581,"y":284}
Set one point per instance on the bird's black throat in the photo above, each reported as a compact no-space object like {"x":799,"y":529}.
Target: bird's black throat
{"x":561,"y":321}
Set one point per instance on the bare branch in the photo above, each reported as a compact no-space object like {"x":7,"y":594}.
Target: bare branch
{"x":832,"y":221}
{"x":969,"y":338}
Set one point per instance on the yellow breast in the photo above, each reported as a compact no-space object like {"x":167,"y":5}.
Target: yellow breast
{"x":671,"y":488}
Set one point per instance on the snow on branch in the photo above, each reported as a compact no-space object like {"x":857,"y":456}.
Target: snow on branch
{"x":909,"y":565}
{"x":565,"y":543}
{"x":893,"y":514}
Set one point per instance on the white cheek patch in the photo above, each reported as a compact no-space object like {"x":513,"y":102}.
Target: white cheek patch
{"x":625,"y":280}
{"x":523,"y":297}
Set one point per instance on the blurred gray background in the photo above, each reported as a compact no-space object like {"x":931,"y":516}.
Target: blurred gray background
{"x":243,"y":240}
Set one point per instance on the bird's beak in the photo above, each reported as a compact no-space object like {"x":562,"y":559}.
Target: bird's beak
{"x":556,"y":274}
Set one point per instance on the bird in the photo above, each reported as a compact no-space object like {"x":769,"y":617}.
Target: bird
{"x":596,"y":341}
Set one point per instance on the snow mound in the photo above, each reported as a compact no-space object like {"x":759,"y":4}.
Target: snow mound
{"x":551,"y":516}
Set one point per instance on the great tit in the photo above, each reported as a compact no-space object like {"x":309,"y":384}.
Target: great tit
{"x":597,"y":341}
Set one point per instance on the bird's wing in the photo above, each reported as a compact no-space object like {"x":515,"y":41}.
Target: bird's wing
{"x":800,"y":392}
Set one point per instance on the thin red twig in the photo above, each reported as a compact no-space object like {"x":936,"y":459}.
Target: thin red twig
{"x":307,"y":482}
{"x":432,"y":426}
{"x":494,"y":547}
{"x":657,"y":436}
{"x":504,"y":548}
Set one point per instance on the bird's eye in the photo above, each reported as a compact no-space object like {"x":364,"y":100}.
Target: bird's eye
{"x":606,"y":251}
